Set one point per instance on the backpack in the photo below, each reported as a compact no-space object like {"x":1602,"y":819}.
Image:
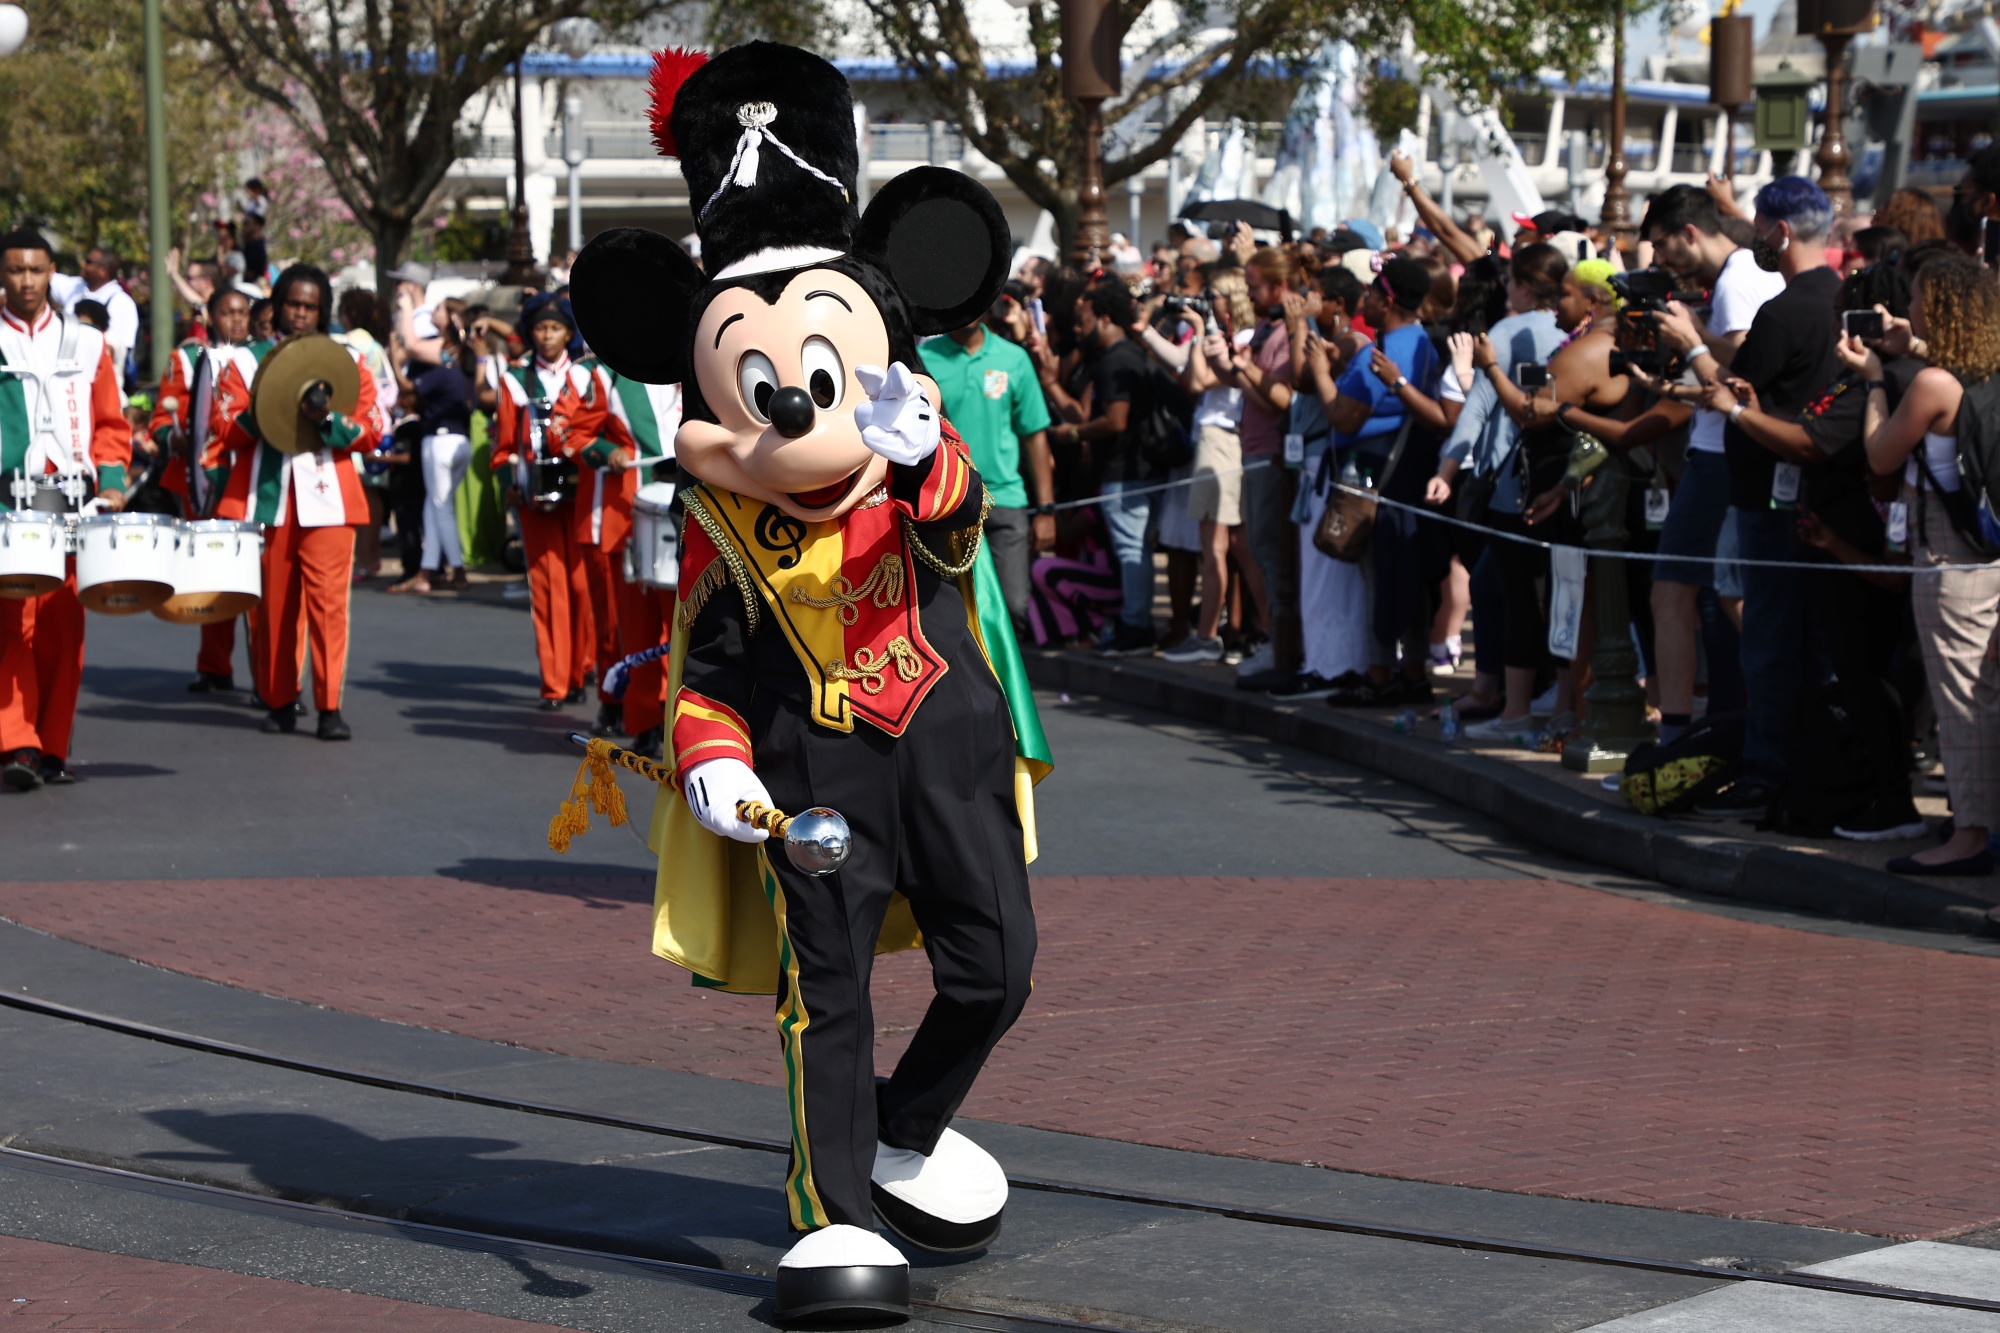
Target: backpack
{"x":1159,"y":429}
{"x":1668,"y":779}
{"x":1973,"y":506}
{"x":1829,"y":774}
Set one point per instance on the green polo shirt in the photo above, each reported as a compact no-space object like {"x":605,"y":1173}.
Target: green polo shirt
{"x":993,"y":400}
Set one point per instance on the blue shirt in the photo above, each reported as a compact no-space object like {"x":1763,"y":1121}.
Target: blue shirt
{"x":1485,"y":437}
{"x":1415,"y":355}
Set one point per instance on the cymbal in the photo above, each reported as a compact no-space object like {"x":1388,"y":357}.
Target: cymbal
{"x":291,"y":368}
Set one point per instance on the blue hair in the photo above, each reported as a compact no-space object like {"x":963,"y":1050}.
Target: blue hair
{"x":1798,"y":201}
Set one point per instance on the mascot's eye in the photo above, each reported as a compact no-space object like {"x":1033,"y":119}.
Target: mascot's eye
{"x":824,"y":376}
{"x":757,"y":378}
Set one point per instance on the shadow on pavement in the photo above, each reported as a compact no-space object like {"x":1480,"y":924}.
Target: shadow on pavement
{"x":464,"y":1182}
{"x":87,"y":770}
{"x":592,"y":882}
{"x":516,"y":729}
{"x":458,"y":682}
{"x":189,"y":714}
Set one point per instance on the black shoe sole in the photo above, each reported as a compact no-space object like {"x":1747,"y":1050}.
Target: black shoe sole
{"x":20,"y":778}
{"x":933,"y":1234}
{"x":861,"y":1291}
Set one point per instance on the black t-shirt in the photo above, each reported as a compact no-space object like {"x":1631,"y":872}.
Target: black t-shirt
{"x":1837,"y":489}
{"x":1119,"y":376}
{"x":1788,"y":358}
{"x":444,"y":400}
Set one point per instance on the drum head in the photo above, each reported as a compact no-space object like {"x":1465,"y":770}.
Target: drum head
{"x":125,"y":597}
{"x":204,"y":608}
{"x":20,"y":587}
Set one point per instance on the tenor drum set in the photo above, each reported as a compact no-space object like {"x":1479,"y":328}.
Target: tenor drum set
{"x":653,"y":552}
{"x":187,"y":573}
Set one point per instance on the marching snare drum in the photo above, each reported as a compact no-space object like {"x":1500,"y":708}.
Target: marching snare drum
{"x":125,"y":563}
{"x":654,"y":547}
{"x":219,"y":575}
{"x":551,"y":483}
{"x":33,"y":553}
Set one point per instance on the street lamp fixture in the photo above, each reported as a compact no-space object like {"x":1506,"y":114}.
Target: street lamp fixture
{"x":13,"y":28}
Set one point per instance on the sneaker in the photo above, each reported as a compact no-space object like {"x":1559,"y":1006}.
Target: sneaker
{"x":1232,"y":652}
{"x":1194,"y":648}
{"x":1264,"y":659}
{"x":332,"y":727}
{"x":1544,"y":704}
{"x":22,"y":771}
{"x":279,"y":721}
{"x":1305,"y":685}
{"x":1886,"y":819}
{"x":1743,"y":800}
{"x":55,"y":772}
{"x":1503,"y":731}
{"x":1130,"y":641}
{"x":1445,"y":657}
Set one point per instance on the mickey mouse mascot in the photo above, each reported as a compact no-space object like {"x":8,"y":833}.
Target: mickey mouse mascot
{"x":830,"y":646}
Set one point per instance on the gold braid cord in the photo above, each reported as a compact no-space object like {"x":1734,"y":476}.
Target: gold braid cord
{"x":868,"y":668}
{"x":595,"y":788}
{"x":965,"y":543}
{"x":727,"y":553}
{"x":884,"y":583}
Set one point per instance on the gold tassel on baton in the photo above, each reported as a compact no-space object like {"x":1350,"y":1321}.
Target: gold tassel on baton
{"x":817,"y":841}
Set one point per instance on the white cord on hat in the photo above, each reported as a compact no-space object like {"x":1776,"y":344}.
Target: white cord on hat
{"x":755,"y":118}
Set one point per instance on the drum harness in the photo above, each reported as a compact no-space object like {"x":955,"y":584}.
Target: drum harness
{"x":63,"y":494}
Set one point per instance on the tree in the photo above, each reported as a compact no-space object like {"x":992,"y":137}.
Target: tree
{"x":74,"y":124}
{"x":1201,"y":61}
{"x":376,"y":89}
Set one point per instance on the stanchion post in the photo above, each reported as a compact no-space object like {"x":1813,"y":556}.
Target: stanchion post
{"x":1614,"y":722}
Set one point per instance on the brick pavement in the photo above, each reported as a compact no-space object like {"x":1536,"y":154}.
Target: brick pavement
{"x":1517,"y":1035}
{"x":58,"y":1286}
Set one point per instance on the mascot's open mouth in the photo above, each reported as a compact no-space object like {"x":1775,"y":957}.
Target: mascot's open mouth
{"x":827,"y":495}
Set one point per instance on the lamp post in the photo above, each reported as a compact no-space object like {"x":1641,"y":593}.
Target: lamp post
{"x":1090,"y":74}
{"x":1835,"y":23}
{"x":520,"y":246}
{"x":159,"y":229}
{"x":576,"y":37}
{"x":1730,"y":69}
{"x":1617,"y":213}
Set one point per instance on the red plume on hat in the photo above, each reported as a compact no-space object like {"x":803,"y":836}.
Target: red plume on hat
{"x":671,"y":69}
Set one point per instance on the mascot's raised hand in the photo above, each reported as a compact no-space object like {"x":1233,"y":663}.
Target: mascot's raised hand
{"x":898,"y":421}
{"x":714,"y":787}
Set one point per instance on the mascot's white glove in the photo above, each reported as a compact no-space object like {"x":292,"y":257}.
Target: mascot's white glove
{"x":898,"y":421}
{"x":713,"y":787}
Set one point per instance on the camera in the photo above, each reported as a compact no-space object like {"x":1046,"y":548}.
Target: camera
{"x":1863,"y":324}
{"x":1644,"y":291}
{"x":1647,"y":360}
{"x":1201,"y":305}
{"x":1532,"y":375}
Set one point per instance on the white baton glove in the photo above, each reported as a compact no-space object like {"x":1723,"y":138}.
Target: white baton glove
{"x":713,"y":788}
{"x":898,"y":421}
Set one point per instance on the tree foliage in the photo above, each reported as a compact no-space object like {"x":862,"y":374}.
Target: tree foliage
{"x":74,"y":124}
{"x":375,"y":88}
{"x":1195,"y":67}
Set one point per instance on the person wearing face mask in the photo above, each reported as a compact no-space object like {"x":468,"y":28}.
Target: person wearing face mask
{"x":1974,"y":200}
{"x":1786,"y":358}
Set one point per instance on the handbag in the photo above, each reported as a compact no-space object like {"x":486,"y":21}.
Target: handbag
{"x":1348,"y":521}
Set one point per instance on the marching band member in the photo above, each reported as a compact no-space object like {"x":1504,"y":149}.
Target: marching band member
{"x":182,"y":426}
{"x":546,"y":385}
{"x":309,"y":504}
{"x":61,"y":415}
{"x":640,"y":421}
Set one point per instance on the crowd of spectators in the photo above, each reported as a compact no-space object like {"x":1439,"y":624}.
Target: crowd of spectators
{"x":1800,"y":412}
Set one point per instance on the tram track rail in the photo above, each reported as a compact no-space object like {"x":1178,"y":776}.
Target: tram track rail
{"x":1141,"y":1198}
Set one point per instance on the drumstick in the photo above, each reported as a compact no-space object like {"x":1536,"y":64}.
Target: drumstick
{"x":817,"y":841}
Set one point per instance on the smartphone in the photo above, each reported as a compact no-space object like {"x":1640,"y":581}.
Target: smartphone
{"x":1532,"y":375}
{"x":1863,"y":324}
{"x":1989,"y":242}
{"x":1040,"y":317}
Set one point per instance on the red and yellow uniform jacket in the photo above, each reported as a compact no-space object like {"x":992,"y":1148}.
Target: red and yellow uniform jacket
{"x":323,"y":487}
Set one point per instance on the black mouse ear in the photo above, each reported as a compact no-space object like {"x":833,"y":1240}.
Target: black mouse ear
{"x":943,"y":241}
{"x":632,"y":290}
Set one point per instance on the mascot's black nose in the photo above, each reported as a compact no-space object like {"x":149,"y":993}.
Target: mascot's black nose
{"x":791,"y":411}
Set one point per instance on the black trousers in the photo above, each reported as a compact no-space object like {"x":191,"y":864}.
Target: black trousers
{"x":933,"y":818}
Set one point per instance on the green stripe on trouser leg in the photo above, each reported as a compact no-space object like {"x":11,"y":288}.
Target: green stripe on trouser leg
{"x":800,"y":1196}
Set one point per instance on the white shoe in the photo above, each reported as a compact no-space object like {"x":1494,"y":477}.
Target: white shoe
{"x":1264,"y":659}
{"x":1544,"y":704}
{"x":948,"y":1203}
{"x":1503,"y":731}
{"x":842,"y":1272}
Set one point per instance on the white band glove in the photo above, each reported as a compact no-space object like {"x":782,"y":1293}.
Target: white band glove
{"x":713,"y":788}
{"x":898,"y":421}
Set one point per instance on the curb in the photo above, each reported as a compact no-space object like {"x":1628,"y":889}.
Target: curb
{"x":1666,"y":851}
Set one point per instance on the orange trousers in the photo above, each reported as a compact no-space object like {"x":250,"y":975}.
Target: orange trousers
{"x":602,"y":573}
{"x":41,"y":669}
{"x":643,"y":617}
{"x":307,"y":574}
{"x":559,"y":596}
{"x":218,"y":649}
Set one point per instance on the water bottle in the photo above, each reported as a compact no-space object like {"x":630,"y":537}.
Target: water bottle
{"x":1350,"y":475}
{"x":1448,"y":724}
{"x":1406,"y":721}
